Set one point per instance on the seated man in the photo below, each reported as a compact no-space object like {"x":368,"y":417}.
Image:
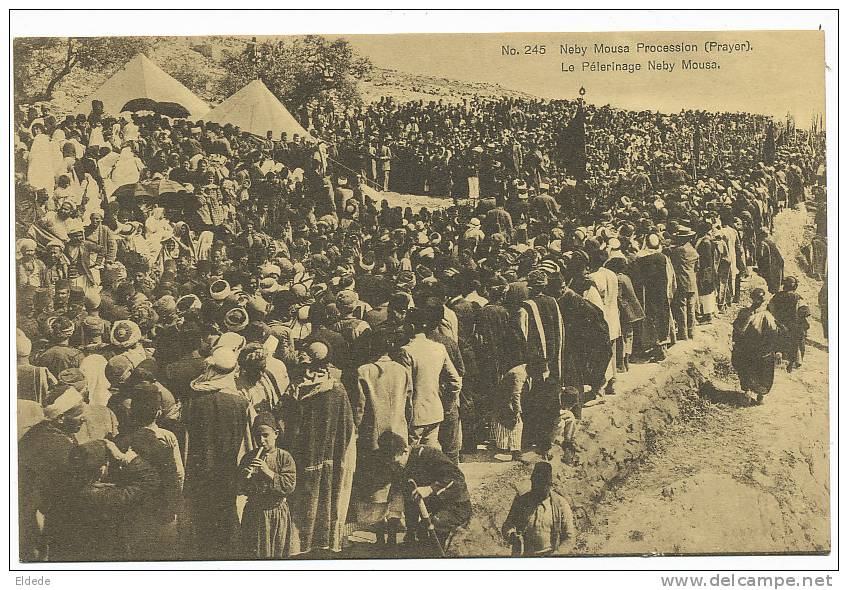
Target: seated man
{"x":425,"y":473}
{"x":540,"y":522}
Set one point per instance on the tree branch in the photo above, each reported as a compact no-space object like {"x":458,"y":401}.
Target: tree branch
{"x":71,"y":60}
{"x":70,"y":53}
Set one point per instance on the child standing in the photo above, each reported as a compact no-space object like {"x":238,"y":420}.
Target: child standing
{"x":787,"y":307}
{"x":266,"y":477}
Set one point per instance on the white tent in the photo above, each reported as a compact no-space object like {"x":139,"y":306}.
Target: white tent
{"x":255,"y":109}
{"x":142,"y":78}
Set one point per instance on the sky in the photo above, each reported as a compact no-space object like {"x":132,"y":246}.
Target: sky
{"x":782,"y":73}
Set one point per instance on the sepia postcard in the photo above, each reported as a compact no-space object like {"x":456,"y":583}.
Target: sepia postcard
{"x":420,"y":296}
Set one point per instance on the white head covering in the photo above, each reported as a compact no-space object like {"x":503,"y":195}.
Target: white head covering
{"x":230,"y":340}
{"x":23,"y":343}
{"x":64,"y":403}
{"x":19,"y":246}
{"x":40,"y":171}
{"x":126,"y":170}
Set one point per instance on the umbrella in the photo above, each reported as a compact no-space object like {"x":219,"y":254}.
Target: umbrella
{"x":136,"y":190}
{"x":167,"y":193}
{"x":173,"y":110}
{"x":162,"y":186}
{"x":140,"y":104}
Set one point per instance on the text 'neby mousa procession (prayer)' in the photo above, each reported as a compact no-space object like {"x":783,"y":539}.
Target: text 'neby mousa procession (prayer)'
{"x":706,"y":55}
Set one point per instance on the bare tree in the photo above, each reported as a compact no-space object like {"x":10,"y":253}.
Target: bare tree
{"x":42,"y":63}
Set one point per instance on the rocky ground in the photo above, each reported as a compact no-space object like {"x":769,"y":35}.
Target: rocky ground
{"x":404,"y":87}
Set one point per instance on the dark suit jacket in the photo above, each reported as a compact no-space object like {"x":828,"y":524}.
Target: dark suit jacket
{"x":683,"y":259}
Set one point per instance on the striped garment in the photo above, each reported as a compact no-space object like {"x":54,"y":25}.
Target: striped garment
{"x":508,"y":439}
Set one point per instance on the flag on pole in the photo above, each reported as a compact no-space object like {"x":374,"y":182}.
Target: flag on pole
{"x":572,"y":145}
{"x":769,"y":146}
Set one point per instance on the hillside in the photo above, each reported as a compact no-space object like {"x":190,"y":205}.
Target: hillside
{"x":404,"y":86}
{"x":195,"y":61}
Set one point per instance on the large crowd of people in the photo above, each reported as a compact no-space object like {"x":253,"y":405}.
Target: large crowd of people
{"x":227,"y":348}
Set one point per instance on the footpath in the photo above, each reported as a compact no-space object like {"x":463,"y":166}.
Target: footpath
{"x":674,"y":463}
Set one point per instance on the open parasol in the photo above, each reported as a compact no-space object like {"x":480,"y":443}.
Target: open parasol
{"x":140,"y":104}
{"x":173,"y":110}
{"x":162,"y":186}
{"x":167,"y":193}
{"x":134,"y":191}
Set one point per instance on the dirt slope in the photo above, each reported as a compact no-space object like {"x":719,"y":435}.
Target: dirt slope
{"x":663,"y":470}
{"x":737,"y":479}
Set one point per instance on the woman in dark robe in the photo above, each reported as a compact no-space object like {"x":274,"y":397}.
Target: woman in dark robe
{"x":653,"y":282}
{"x":756,"y":338}
{"x":770,"y":262}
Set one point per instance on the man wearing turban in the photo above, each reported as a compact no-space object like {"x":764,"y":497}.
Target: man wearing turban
{"x":60,"y":355}
{"x":43,"y":469}
{"x":324,"y":447}
{"x":31,"y":270}
{"x":218,"y":436}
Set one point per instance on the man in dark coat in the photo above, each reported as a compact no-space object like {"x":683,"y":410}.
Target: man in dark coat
{"x":653,"y":280}
{"x":43,"y":469}
{"x":770,"y":262}
{"x":587,"y":350}
{"x":324,"y":449}
{"x":218,"y":435}
{"x":684,"y":259}
{"x":541,"y":325}
{"x":473,"y":429}
{"x":630,"y":311}
{"x":496,"y":339}
{"x":425,"y":473}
